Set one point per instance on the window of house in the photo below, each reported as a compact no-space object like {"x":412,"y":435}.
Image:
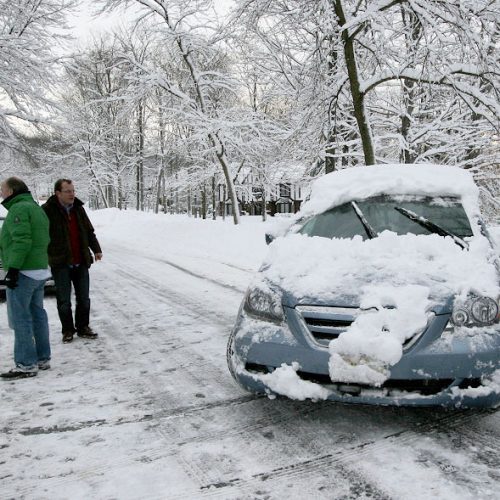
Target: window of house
{"x":285,"y":190}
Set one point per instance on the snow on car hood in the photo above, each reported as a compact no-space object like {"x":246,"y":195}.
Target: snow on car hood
{"x":409,"y":273}
{"x":325,"y":269}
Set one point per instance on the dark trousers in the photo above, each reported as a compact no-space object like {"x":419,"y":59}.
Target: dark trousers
{"x":63,"y":278}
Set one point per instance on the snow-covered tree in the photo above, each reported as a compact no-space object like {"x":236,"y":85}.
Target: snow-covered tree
{"x":385,"y":80}
{"x":184,"y":26}
{"x":30,"y":30}
{"x":98,"y":125}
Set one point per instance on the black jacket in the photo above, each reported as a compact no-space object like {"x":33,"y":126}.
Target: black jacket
{"x":59,"y":250}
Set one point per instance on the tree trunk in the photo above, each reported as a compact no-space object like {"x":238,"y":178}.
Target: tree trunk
{"x":140,"y":159}
{"x":160,"y":188}
{"x":88,"y":156}
{"x":264,"y":203}
{"x":224,"y":202}
{"x":213,"y":137}
{"x":330,"y":159}
{"x":410,"y":88}
{"x":204,"y":202}
{"x":159,"y":183}
{"x":214,"y":205}
{"x":358,"y":97}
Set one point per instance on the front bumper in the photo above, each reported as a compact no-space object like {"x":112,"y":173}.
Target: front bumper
{"x":441,"y":368}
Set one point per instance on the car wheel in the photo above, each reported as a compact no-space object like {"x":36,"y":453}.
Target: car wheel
{"x":50,"y":290}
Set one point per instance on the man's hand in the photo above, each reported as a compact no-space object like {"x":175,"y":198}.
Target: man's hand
{"x":12,"y":277}
{"x":98,"y":256}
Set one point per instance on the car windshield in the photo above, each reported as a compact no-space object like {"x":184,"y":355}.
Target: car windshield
{"x":381,"y":214}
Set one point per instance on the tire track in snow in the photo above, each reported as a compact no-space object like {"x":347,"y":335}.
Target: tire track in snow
{"x":343,"y":458}
{"x":166,"y":414}
{"x":207,"y":378}
{"x":301,"y":470}
{"x":328,"y":464}
{"x":270,"y":420}
{"x":323,"y":463}
{"x":185,"y":270}
{"x":327,"y":459}
{"x":109,"y":354}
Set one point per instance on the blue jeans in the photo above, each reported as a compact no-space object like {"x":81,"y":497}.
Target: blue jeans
{"x":28,"y":319}
{"x":63,"y":278}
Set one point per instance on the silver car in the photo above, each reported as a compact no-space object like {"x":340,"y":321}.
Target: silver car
{"x":384,"y":290}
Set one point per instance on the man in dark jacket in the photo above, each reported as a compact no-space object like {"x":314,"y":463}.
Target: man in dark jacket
{"x":23,"y":248}
{"x":71,"y":239}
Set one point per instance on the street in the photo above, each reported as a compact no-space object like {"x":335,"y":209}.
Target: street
{"x":149,"y":410}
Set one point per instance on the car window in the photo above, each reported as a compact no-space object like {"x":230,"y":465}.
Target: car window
{"x":380,"y":213}
{"x":339,"y":222}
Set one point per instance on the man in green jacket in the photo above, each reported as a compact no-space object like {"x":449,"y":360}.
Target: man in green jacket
{"x":24,"y":239}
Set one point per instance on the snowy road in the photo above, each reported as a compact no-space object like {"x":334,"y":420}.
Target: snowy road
{"x":150,"y":411}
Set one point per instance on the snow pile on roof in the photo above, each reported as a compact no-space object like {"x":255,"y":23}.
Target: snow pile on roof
{"x":360,"y":183}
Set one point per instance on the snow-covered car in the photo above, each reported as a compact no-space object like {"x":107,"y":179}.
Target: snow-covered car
{"x":384,"y":290}
{"x":50,"y":286}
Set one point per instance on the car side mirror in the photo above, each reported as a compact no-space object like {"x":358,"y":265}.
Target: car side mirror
{"x":269,"y":238}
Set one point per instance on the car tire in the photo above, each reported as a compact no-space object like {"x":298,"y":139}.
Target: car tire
{"x":50,"y":290}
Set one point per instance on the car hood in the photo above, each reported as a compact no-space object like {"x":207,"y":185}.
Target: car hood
{"x":438,"y":305}
{"x":372,"y":273}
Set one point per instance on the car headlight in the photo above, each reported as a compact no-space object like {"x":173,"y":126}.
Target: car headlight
{"x":475,"y":311}
{"x":484,"y":311}
{"x":264,"y":304}
{"x":460,"y":316}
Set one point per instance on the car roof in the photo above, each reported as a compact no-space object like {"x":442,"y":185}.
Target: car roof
{"x":359,"y":183}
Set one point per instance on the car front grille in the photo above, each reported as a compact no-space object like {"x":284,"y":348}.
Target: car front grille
{"x":327,"y":323}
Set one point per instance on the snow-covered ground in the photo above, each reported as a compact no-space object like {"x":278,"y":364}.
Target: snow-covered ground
{"x":149,"y":410}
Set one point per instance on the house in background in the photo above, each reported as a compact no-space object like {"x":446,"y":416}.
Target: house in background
{"x":279,"y":189}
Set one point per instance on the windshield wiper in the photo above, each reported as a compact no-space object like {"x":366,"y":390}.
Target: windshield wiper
{"x":369,"y":230}
{"x":433,"y":228}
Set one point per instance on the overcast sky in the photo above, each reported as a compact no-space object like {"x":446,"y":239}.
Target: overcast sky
{"x":84,"y":24}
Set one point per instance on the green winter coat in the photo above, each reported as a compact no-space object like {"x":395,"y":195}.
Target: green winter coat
{"x":24,"y":236}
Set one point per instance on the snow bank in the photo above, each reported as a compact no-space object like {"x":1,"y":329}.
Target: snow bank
{"x":186,"y":240}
